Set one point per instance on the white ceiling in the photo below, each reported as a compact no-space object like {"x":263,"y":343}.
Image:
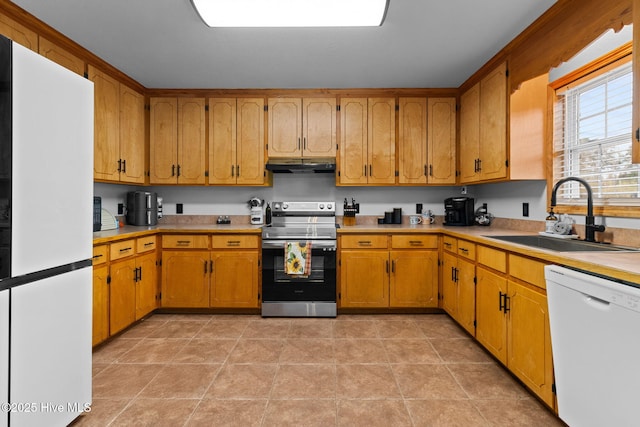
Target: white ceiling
{"x":164,"y":44}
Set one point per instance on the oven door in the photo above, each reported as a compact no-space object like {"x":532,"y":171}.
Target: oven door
{"x":319,"y":285}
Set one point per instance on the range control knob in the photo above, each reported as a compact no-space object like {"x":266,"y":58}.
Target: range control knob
{"x":285,"y":206}
{"x":329,"y":205}
{"x":321,"y":205}
{"x":276,"y":206}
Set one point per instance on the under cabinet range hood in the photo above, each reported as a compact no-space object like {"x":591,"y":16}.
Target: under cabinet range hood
{"x":327,"y":165}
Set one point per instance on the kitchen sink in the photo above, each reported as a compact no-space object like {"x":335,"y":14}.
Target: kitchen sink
{"x":561,"y":245}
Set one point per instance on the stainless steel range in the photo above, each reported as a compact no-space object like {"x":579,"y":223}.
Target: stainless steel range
{"x":299,"y":260}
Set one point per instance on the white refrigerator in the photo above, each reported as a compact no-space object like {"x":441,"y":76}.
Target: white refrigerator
{"x":46,"y":196}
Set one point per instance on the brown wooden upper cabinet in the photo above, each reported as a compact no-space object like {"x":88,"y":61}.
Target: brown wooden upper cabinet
{"x":367,"y":141}
{"x":483,"y":129}
{"x":236,"y":141}
{"x":60,"y":56}
{"x":119,"y":132}
{"x":302,"y":127}
{"x":427,"y":141}
{"x":177,"y":141}
{"x":18,"y":33}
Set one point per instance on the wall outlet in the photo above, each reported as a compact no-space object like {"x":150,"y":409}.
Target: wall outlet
{"x":178,"y":208}
{"x":525,"y":209}
{"x":463,"y":190}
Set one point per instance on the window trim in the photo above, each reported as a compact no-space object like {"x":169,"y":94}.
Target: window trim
{"x":593,"y":69}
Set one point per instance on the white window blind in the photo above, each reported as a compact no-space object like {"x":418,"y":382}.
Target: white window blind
{"x":592,"y":139}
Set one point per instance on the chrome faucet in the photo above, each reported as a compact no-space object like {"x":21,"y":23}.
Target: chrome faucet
{"x":590,"y":227}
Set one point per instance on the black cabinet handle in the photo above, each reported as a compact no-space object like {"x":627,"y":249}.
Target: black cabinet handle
{"x":173,"y":170}
{"x":119,"y":165}
{"x":124,"y":166}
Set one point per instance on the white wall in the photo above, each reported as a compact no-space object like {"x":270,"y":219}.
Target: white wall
{"x":233,"y":200}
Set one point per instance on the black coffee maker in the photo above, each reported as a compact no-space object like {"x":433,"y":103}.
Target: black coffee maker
{"x":459,"y":211}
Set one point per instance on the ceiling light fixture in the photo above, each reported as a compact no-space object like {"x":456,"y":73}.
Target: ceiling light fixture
{"x":292,"y":13}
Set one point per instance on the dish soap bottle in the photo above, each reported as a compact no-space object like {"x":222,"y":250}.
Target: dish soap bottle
{"x":550,"y":222}
{"x":268,"y":215}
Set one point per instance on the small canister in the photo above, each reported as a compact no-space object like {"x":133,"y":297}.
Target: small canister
{"x":397,"y":215}
{"x":388,"y":217}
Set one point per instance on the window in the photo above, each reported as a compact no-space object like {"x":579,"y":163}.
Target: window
{"x":592,"y":137}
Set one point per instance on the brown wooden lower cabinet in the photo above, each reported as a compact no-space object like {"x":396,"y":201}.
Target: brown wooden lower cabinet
{"x":100,"y":303}
{"x":125,"y":285}
{"x":185,"y":278}
{"x":458,"y":281}
{"x":225,"y":276}
{"x":513,"y":323}
{"x":372,"y":276}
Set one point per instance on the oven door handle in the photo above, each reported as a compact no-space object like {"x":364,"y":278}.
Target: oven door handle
{"x":315,"y":244}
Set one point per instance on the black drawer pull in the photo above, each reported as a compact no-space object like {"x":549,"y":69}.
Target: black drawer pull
{"x":233,"y":242}
{"x":183,"y":242}
{"x":97,"y":256}
{"x":364,"y":242}
{"x":125,"y":249}
{"x":416,"y":242}
{"x":466,"y":251}
{"x":148,"y":244}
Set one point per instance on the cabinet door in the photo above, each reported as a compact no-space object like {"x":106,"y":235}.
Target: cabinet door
{"x":191,"y":141}
{"x":319,"y":127}
{"x":100,"y":304}
{"x":132,"y":136}
{"x":353,"y":141}
{"x":529,"y":342}
{"x":234,"y":280}
{"x":441,"y":140}
{"x":469,"y":134}
{"x":285,"y":127}
{"x":122,"y":295}
{"x":146,"y":285}
{"x":491,"y":327}
{"x":185,"y":278}
{"x":364,"y":278}
{"x":382,"y":141}
{"x":412,"y":143}
{"x":493,"y":124}
{"x":163,"y":136}
{"x":467,"y":295}
{"x":250,"y":142}
{"x":18,"y":33}
{"x":60,"y":56}
{"x":222,"y":141}
{"x":449,"y":284}
{"x":106,"y":153}
{"x":414,"y":279}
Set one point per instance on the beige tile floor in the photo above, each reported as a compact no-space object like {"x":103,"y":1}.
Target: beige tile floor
{"x":355,"y":370}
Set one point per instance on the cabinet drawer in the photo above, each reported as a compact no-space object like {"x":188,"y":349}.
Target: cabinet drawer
{"x":364,"y":241}
{"x":527,"y":270}
{"x":493,"y":258}
{"x":145,"y":244}
{"x":122,"y":249}
{"x":100,"y":254}
{"x":185,"y":241}
{"x":413,"y":241}
{"x":234,"y":241}
{"x":450,"y":244}
{"x":466,"y":249}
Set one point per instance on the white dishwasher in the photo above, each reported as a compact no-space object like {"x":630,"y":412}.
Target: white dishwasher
{"x":595,"y":339}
